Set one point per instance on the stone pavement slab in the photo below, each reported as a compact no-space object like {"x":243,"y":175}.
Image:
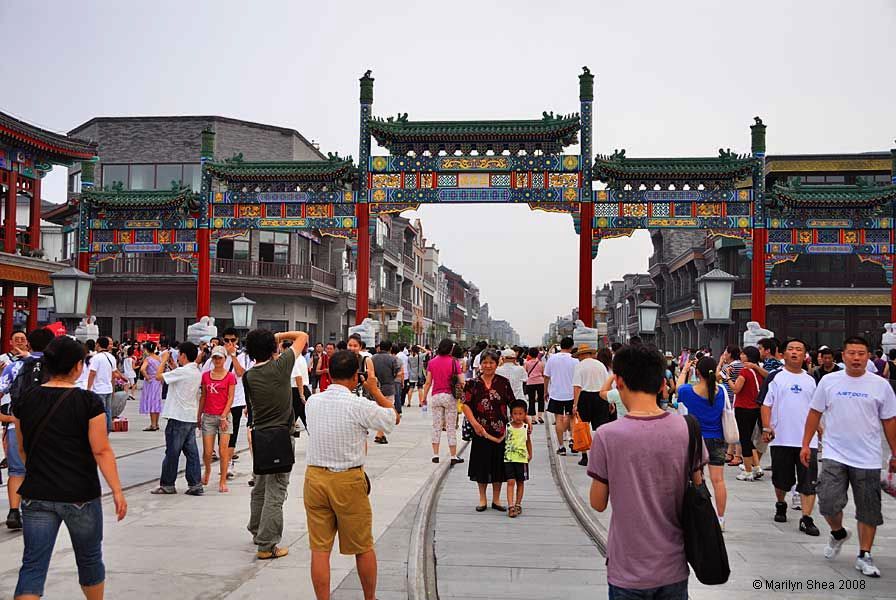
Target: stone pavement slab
{"x":760,"y":549}
{"x":197,"y":547}
{"x":541,"y":554}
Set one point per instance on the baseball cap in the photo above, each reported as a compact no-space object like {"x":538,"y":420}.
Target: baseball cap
{"x":219,"y":351}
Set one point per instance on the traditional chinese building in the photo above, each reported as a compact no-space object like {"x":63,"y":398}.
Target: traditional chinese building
{"x":27,"y":154}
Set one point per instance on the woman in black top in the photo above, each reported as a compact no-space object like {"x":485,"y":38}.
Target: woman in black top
{"x":63,"y":438}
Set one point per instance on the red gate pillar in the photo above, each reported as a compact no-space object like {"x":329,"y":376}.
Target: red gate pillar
{"x":32,"y":308}
{"x":586,"y":309}
{"x":9,"y":309}
{"x":757,"y":288}
{"x":362,"y":285}
{"x":204,"y":279}
{"x":34,"y":216}
{"x":9,"y":214}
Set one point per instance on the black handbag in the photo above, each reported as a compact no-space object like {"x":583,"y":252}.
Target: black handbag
{"x":272,"y":447}
{"x":466,"y":431}
{"x":704,"y":545}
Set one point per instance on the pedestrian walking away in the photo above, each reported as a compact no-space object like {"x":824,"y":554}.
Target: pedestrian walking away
{"x":639,"y":464}
{"x":182,"y":411}
{"x":558,"y":373}
{"x":269,"y":398}
{"x":103,"y":373}
{"x":857,"y":406}
{"x":151,"y":395}
{"x":534,"y":366}
{"x":336,"y":489}
{"x":705,"y":400}
{"x":588,"y":378}
{"x":62,"y":432}
{"x":784,"y":413}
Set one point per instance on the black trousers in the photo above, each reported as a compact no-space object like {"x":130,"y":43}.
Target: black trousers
{"x":298,"y":407}
{"x":535,"y":392}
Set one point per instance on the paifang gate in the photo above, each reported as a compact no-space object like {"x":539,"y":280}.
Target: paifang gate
{"x":520,"y":161}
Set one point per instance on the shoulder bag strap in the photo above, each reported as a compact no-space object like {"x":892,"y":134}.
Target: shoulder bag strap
{"x":46,"y":418}
{"x":534,"y":364}
{"x":693,"y":435}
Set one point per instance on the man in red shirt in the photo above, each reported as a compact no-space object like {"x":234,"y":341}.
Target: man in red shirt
{"x":323,"y":366}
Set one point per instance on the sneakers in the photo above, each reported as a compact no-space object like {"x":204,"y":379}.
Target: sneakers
{"x":571,"y":449}
{"x":456,"y":460}
{"x":195,"y":491}
{"x":780,"y":512}
{"x":561,"y":451}
{"x":584,"y":460}
{"x":807,"y":526}
{"x":795,"y":502}
{"x":758,"y":472}
{"x":834,"y":546}
{"x":746,"y":476}
{"x":14,"y":519}
{"x":865,"y":564}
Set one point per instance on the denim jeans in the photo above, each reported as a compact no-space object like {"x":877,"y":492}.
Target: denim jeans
{"x":40,"y":526}
{"x":180,"y":437}
{"x":672,"y":591}
{"x":107,"y":404}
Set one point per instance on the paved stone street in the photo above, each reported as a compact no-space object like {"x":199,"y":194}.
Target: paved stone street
{"x":186,"y":547}
{"x":759,"y":548}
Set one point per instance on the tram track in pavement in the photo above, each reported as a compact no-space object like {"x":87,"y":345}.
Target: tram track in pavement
{"x":422,"y":577}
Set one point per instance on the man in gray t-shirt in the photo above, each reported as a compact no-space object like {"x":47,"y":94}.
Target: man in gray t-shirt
{"x":388,"y":370}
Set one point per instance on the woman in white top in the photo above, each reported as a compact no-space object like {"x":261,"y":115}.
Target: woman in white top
{"x":129,"y":372}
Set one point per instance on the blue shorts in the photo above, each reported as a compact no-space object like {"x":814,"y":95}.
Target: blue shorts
{"x":13,"y":458}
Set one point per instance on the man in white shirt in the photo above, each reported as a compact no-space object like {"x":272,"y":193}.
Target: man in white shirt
{"x":299,"y":383}
{"x":182,"y":411}
{"x":856,"y":405}
{"x":588,"y":378}
{"x":336,"y":488}
{"x":103,"y":369}
{"x":558,"y":374}
{"x":513,"y":372}
{"x":784,"y":412}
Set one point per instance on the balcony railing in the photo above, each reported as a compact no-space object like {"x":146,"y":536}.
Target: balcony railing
{"x":407,"y":305}
{"x":410,"y":262}
{"x":143,"y":265}
{"x":163,"y":265}
{"x":389,"y":297}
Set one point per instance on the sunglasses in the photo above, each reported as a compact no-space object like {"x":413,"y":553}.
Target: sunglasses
{"x":230,"y":339}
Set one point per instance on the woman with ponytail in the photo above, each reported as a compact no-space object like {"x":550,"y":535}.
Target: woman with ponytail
{"x":705,"y":400}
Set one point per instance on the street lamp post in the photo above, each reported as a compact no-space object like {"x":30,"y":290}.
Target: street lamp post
{"x":242,"y":309}
{"x":715,"y":289}
{"x":648,"y":312}
{"x":71,"y":294}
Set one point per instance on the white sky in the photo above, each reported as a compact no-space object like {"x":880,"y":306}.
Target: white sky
{"x":673,"y":78}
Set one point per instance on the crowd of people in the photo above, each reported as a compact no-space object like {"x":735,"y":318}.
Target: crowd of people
{"x":802,"y":407}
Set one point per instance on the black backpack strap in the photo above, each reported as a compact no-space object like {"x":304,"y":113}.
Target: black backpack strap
{"x":694,"y":441}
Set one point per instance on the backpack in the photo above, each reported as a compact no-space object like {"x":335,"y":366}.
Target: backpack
{"x":763,"y":391}
{"x":30,"y":375}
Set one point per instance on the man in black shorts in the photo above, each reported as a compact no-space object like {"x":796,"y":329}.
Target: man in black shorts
{"x":558,"y":374}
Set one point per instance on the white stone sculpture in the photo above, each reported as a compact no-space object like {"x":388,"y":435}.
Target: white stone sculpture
{"x":212,"y":328}
{"x":367,"y":330}
{"x":888,"y":341}
{"x":199,"y":331}
{"x":87,"y":329}
{"x":754,"y":333}
{"x":584,"y":335}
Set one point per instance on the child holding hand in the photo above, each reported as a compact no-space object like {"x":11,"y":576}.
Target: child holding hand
{"x":517,"y":454}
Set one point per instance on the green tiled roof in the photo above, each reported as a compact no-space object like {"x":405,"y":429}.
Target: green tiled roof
{"x":832,"y":196}
{"x":301,"y":170}
{"x":140,"y":198}
{"x":559,"y":129}
{"x":58,"y":147}
{"x":727,"y":166}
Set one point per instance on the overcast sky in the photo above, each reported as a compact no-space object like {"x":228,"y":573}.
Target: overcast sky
{"x":673,"y":79}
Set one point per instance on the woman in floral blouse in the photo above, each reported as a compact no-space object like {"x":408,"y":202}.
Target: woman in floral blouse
{"x":486,"y":399}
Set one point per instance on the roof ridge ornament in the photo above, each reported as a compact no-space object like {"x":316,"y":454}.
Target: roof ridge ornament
{"x":236,"y":159}
{"x":618,"y":155}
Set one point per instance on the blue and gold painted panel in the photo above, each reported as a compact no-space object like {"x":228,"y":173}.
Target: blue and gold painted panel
{"x":564,"y":163}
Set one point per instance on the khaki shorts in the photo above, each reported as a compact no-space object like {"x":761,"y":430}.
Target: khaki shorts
{"x":337,"y":502}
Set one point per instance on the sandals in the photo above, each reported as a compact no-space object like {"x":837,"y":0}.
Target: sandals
{"x":151,"y":428}
{"x":515,"y":511}
{"x":380,"y":440}
{"x":735,"y":461}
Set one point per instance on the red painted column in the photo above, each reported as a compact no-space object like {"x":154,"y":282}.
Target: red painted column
{"x":9,"y":308}
{"x":204,"y":283}
{"x":32,"y":308}
{"x":586,"y":309}
{"x":757,"y":288}
{"x":34,"y":217}
{"x":9,"y":214}
{"x":893,"y":294}
{"x":362,"y":285}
